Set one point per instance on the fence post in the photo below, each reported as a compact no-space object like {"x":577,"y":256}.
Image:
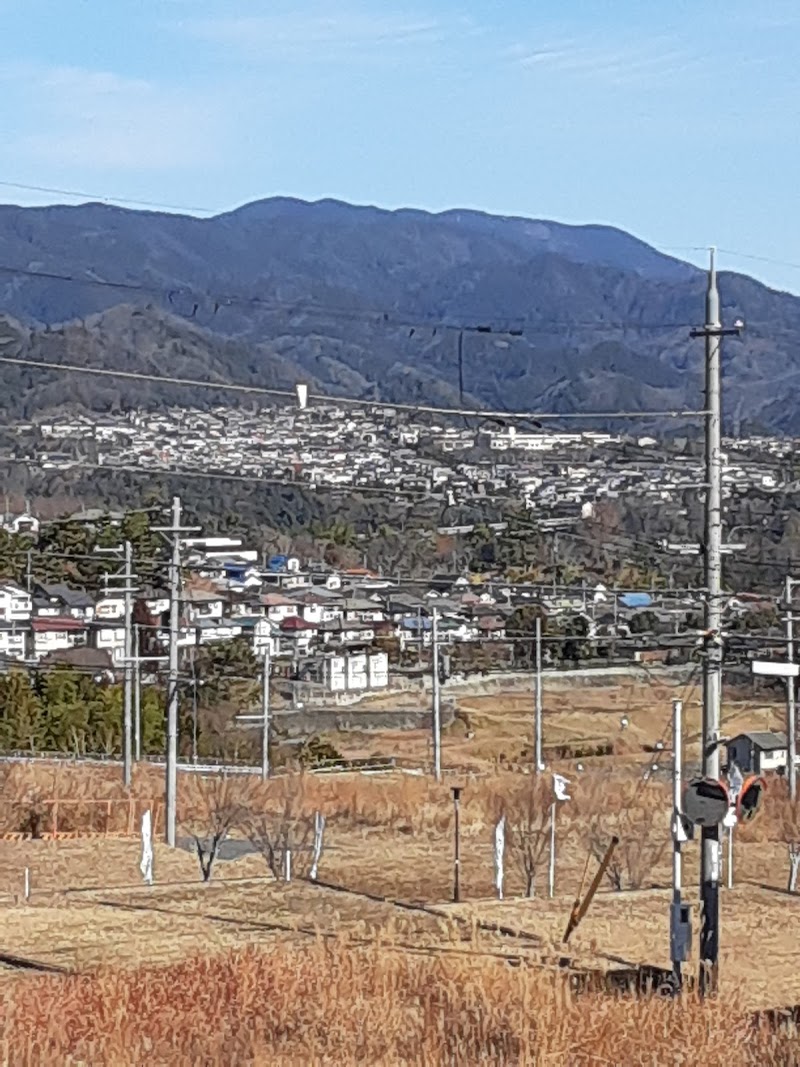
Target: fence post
{"x":54,"y":818}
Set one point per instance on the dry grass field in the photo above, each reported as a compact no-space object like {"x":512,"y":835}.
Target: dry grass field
{"x":496,"y":729}
{"x":373,"y":962}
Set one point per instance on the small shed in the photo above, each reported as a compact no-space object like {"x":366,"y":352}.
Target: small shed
{"x":758,"y":751}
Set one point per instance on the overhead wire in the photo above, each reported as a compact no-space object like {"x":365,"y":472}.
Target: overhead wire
{"x":380,"y":405}
{"x":194,"y":209}
{"x":120,"y":201}
{"x":513,"y":326}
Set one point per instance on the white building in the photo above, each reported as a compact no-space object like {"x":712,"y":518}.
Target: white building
{"x":15,"y":603}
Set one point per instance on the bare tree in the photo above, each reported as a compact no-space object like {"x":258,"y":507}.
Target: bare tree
{"x":278,"y":825}
{"x":643,"y":834}
{"x":528,"y":812}
{"x":787,"y":813}
{"x":210,"y":809}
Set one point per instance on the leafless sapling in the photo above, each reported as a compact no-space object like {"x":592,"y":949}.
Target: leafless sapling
{"x":211,"y":809}
{"x":277,"y":825}
{"x":528,"y":813}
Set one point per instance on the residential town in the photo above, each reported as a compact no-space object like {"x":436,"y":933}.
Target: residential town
{"x":340,"y":629}
{"x":557,"y":474}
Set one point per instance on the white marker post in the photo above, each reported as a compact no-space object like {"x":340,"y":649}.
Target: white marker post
{"x":560,"y":784}
{"x":146,"y":865}
{"x":319,"y":830}
{"x":735,"y":783}
{"x":499,"y":849}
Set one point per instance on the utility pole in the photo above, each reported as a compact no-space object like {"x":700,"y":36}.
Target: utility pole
{"x":791,"y":720}
{"x":677,"y":952}
{"x":265,"y":679}
{"x":436,"y":717}
{"x":712,"y":333}
{"x":194,"y":702}
{"x":174,"y":531}
{"x":172,"y":690}
{"x":127,"y":691}
{"x":137,"y":695}
{"x":537,"y":728}
{"x":264,"y":718}
{"x":127,"y":590}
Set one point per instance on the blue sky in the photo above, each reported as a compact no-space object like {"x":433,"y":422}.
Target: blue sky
{"x":674,"y":119}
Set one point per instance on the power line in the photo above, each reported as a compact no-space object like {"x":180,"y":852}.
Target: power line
{"x":384,"y":405}
{"x":514,"y":326}
{"x":122,"y":201}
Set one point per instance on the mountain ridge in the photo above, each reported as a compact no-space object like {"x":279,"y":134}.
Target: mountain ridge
{"x":368,"y":300}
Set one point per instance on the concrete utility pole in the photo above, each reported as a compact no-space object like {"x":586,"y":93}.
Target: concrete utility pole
{"x":713,"y":333}
{"x":712,"y":664}
{"x":127,"y":590}
{"x":172,"y":691}
{"x":537,"y":728}
{"x":137,"y":696}
{"x":677,"y":953}
{"x":791,"y":720}
{"x":265,"y":679}
{"x":127,"y":692}
{"x":174,"y":531}
{"x":436,"y":716}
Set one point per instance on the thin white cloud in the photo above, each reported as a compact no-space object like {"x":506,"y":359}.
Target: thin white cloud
{"x":99,"y":119}
{"x":615,"y":63}
{"x":305,"y":33}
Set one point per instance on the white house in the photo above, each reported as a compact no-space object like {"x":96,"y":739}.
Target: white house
{"x":15,"y":603}
{"x":110,"y":639}
{"x":53,"y":634}
{"x":758,"y":751}
{"x":315,"y":609}
{"x":75,"y":603}
{"x":266,"y":635}
{"x":12,"y":640}
{"x":202,"y":606}
{"x":209,"y":631}
{"x":278,"y":607}
{"x":23,"y":524}
{"x":110,"y":606}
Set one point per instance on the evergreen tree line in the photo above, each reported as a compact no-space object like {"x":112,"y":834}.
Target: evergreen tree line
{"x":65,"y":711}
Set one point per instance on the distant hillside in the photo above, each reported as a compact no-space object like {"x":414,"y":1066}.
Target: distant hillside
{"x":346,"y":297}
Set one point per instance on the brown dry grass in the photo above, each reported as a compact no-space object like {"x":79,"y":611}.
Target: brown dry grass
{"x":501,"y":724}
{"x":331,"y":976}
{"x":331,"y":1003}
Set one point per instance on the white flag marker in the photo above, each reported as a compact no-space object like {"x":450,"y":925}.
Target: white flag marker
{"x":560,"y":784}
{"x":146,"y":866}
{"x":319,"y":830}
{"x":499,"y":848}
